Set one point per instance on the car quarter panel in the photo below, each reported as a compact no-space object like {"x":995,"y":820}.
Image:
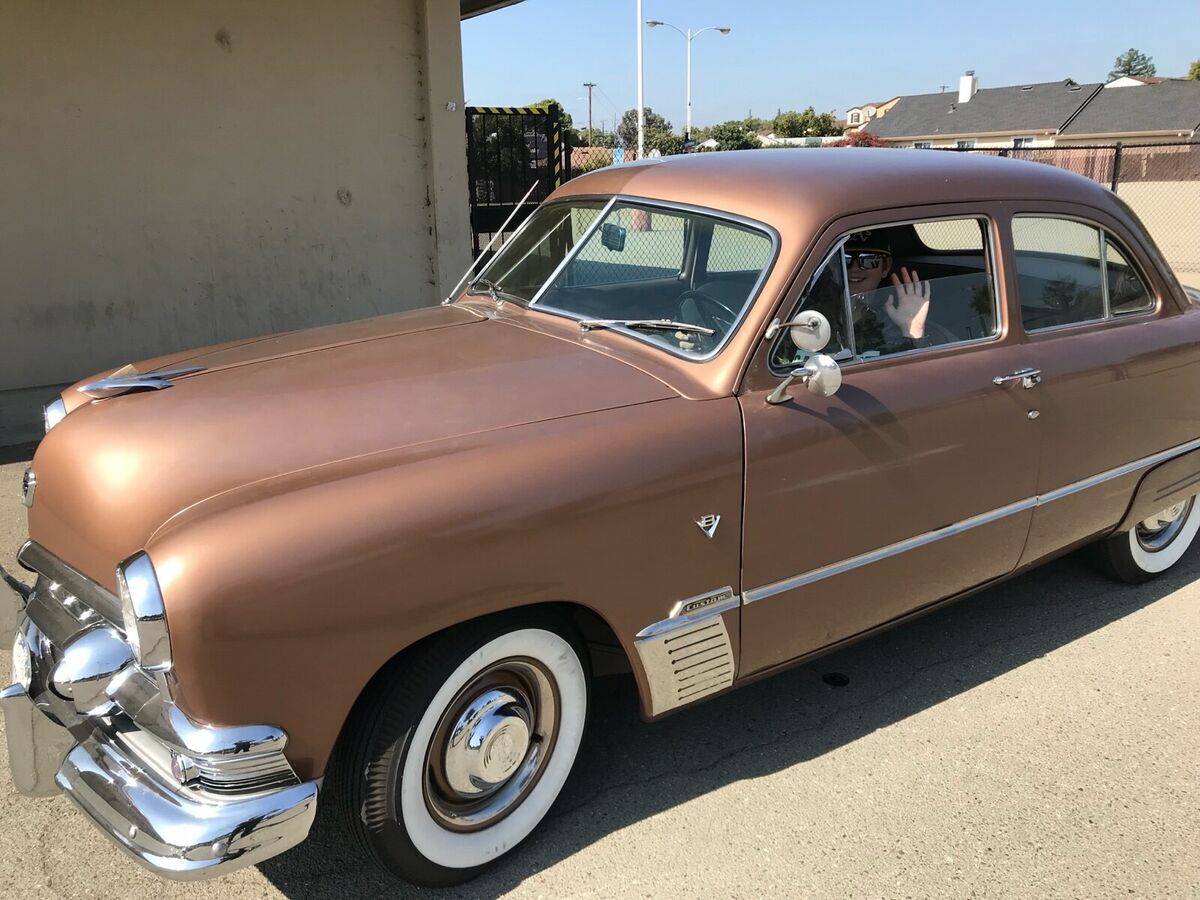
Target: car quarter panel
{"x":284,"y":603}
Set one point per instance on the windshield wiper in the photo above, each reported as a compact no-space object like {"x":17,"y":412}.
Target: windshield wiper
{"x":493,"y":290}
{"x":652,"y":324}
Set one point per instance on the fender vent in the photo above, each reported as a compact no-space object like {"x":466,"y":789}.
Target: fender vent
{"x":687,"y":657}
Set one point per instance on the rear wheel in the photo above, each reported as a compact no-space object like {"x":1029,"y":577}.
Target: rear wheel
{"x":1153,"y":545}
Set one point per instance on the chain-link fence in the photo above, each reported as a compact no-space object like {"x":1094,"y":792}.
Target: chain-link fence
{"x":1160,"y":182}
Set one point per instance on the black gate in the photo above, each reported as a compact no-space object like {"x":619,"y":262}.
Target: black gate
{"x":510,"y":149}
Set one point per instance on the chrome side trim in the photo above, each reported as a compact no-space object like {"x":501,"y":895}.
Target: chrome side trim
{"x":921,"y":540}
{"x":882,"y":553}
{"x":686,"y":657}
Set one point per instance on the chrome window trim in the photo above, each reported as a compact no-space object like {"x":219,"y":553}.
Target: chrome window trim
{"x":575,"y":250}
{"x":929,"y":537}
{"x":992,"y":247}
{"x":1109,"y":316}
{"x":751,"y":298}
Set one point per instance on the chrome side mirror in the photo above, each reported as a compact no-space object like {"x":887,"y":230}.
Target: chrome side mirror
{"x":820,"y":374}
{"x":809,"y":331}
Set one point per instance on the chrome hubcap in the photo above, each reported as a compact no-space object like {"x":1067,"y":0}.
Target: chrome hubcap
{"x":491,"y":745}
{"x":1155,"y":532}
{"x":487,"y":743}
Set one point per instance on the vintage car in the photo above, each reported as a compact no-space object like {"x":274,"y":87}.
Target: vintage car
{"x":700,"y":419}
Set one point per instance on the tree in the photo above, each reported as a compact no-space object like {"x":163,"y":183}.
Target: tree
{"x":809,"y":123}
{"x":627,"y":130}
{"x":734,"y":135}
{"x":857,"y":139}
{"x":1132,"y":62}
{"x":666,"y":143}
{"x":596,"y":137}
{"x":1194,"y":72}
{"x":564,"y":119}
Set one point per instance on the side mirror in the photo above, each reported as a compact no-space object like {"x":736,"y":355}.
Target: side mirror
{"x":809,"y":331}
{"x":820,"y":374}
{"x":612,"y":236}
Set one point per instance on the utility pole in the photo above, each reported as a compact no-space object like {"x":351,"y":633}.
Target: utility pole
{"x":589,"y":85}
{"x":641,"y":95}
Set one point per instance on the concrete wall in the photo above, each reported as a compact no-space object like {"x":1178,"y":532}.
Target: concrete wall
{"x":177,"y":174}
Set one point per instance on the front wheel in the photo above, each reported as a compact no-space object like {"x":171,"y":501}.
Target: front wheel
{"x":452,"y":758}
{"x":1153,"y":545}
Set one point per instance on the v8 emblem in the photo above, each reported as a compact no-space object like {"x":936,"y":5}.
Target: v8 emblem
{"x":708,"y":524}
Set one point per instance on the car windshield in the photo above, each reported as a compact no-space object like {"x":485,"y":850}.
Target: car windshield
{"x":674,"y":278}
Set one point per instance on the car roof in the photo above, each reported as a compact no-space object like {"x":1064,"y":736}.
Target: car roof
{"x":767,"y":184}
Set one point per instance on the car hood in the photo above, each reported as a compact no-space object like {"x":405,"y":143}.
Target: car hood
{"x":116,"y":470}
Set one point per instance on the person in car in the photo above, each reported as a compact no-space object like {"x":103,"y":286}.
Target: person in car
{"x":886,"y":320}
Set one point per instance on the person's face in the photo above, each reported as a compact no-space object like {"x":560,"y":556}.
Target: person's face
{"x":866,"y":269}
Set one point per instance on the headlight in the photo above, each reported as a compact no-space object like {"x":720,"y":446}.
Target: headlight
{"x":143,"y":613}
{"x":53,"y":412}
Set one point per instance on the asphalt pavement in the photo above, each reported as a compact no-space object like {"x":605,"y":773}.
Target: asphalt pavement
{"x":1040,"y":739}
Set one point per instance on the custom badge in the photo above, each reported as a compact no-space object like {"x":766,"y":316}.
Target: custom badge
{"x":708,"y":524}
{"x":694,"y":604}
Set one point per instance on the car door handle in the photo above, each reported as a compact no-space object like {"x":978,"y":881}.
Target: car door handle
{"x":1028,"y":378}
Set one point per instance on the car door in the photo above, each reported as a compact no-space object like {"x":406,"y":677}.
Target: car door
{"x":1103,"y":332}
{"x":915,"y":480}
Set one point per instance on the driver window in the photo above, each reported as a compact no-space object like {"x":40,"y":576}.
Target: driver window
{"x":898,"y":288}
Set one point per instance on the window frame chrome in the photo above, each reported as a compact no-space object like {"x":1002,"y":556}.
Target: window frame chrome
{"x":1122,"y":247}
{"x":992,"y":250}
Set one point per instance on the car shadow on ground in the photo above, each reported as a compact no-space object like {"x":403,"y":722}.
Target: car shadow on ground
{"x":628,"y":770}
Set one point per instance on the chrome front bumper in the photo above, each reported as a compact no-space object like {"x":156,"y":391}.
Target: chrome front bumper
{"x":120,"y":774}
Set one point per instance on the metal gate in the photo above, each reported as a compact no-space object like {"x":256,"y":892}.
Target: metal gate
{"x":509,"y":149}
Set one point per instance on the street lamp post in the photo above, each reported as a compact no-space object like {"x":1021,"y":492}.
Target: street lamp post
{"x":689,"y":36}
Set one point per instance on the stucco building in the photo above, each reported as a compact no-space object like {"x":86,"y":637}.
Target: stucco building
{"x":181,"y":174}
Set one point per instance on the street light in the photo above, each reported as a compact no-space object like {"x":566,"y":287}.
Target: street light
{"x":688,"y":36}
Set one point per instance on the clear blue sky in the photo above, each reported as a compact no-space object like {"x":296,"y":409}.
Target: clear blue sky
{"x":790,"y":55}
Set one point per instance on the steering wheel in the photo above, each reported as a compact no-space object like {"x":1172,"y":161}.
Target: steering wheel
{"x":709,"y":312}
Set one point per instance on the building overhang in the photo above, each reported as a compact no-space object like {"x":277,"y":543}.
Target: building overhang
{"x":469,"y":8}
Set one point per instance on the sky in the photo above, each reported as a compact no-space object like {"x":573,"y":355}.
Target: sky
{"x":790,"y":55}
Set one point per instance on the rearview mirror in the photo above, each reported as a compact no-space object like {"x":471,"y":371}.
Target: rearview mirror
{"x":612,"y":236}
{"x":820,"y":374}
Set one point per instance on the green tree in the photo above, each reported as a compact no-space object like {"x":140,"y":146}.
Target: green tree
{"x":808,"y":123}
{"x":596,"y":137}
{"x":564,"y":119}
{"x":1194,"y":71}
{"x":734,"y":135}
{"x":627,"y":130}
{"x":1132,"y":62}
{"x":666,"y":143}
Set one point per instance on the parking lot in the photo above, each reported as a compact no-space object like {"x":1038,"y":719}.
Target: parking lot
{"x":1038,"y":739}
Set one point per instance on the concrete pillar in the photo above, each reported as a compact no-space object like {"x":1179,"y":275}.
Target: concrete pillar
{"x":445,"y":125}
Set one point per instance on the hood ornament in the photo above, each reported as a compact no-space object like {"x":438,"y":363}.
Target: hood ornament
{"x":128,"y":379}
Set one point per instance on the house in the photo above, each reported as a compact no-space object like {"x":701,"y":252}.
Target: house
{"x":1133,"y":109}
{"x":1017,"y":116}
{"x":858,"y":116}
{"x":182,"y":174}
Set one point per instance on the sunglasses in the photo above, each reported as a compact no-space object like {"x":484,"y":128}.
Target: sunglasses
{"x":866,"y":259}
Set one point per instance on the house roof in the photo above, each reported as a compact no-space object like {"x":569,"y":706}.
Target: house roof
{"x":1002,"y":110}
{"x":469,"y":8}
{"x":1169,"y":105}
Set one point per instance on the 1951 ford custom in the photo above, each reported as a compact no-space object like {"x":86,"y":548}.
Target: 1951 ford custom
{"x":701,"y":418}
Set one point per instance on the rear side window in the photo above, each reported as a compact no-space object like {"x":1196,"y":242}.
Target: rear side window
{"x":1069,"y":273}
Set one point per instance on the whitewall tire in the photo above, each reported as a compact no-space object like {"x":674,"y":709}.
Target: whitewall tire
{"x":1154,"y":544}
{"x":453,"y":757}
